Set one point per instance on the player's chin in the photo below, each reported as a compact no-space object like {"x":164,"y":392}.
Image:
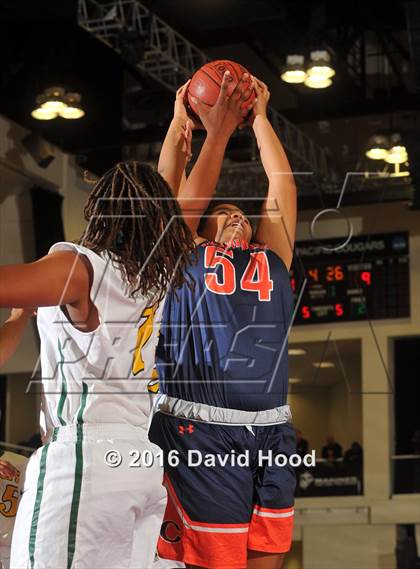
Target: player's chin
{"x":236,"y":233}
{"x":233,"y":233}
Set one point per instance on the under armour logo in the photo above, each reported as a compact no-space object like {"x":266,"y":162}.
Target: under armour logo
{"x":182,"y":430}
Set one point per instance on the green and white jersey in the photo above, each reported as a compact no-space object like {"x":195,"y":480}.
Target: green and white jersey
{"x":104,"y":376}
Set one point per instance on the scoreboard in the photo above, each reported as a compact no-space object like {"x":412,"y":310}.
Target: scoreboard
{"x":367,"y":278}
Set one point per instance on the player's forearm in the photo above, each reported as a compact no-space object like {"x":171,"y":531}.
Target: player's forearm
{"x":273,"y":156}
{"x":201,"y":184}
{"x":58,"y":278}
{"x":173,"y":158}
{"x":11,"y":333}
{"x":277,"y":226}
{"x":282,"y":187}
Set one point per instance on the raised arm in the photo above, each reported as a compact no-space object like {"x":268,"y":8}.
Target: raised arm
{"x":57,"y":279}
{"x":176,"y":148}
{"x":220,"y":121}
{"x":11,"y":332}
{"x":277,"y":225}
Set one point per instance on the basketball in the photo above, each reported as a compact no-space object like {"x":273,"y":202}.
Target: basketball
{"x":205,"y":84}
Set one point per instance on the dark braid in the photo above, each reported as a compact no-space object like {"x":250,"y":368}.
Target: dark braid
{"x":132,"y":214}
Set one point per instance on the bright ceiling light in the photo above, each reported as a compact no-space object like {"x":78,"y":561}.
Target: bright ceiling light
{"x":55,"y":102}
{"x":73,"y":110}
{"x":294,"y":380}
{"x":320,"y":66}
{"x":72,"y":113}
{"x":377,"y":147}
{"x":398,"y":152}
{"x":294,"y":71}
{"x":323,"y":365}
{"x":296,"y":352}
{"x":54,"y":99}
{"x":42,"y":114}
{"x":397,"y":155}
{"x":294,"y":75}
{"x":318,"y":82}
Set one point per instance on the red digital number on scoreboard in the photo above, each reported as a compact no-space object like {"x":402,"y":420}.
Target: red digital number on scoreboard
{"x":366,"y":277}
{"x":313,"y":273}
{"x":335,"y":273}
{"x":306,"y":312}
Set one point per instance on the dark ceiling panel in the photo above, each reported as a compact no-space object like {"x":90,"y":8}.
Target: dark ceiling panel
{"x":40,"y":52}
{"x":41,"y":44}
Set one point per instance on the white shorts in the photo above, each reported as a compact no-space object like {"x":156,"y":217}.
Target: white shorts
{"x":77,"y":512}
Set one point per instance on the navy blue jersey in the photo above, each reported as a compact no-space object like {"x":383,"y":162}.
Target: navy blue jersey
{"x":224,"y":342}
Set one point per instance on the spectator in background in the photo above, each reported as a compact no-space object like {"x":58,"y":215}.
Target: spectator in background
{"x":302,"y":444}
{"x":332,"y":450}
{"x":354,"y":455}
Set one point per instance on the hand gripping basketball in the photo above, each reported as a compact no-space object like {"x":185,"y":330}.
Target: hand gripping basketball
{"x":229,"y":111}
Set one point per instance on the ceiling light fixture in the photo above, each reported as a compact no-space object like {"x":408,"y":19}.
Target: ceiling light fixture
{"x":316,"y":76}
{"x":377,"y":148}
{"x":323,"y":365}
{"x":41,"y":113}
{"x":321,"y":65}
{"x":54,"y":99}
{"x":315,"y":82}
{"x":296,"y":352}
{"x":73,"y":110}
{"x":397,"y":153}
{"x":56,"y":102}
{"x":294,"y":71}
{"x":294,"y":380}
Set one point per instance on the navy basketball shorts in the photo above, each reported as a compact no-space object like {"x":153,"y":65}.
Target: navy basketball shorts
{"x":230,"y":489}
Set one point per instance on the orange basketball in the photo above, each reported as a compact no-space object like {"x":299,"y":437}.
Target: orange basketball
{"x":205,"y":83}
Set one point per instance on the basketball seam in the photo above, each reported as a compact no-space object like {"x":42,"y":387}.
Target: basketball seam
{"x":232,"y":71}
{"x":210,"y":77}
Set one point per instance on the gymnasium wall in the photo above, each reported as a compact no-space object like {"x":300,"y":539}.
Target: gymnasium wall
{"x":18,"y":174}
{"x":15,"y":247}
{"x":329,"y":527}
{"x":310,"y":409}
{"x":23,"y":416}
{"x":345,"y":415}
{"x":327,"y":410}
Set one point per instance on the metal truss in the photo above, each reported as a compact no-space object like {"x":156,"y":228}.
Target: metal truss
{"x":355,"y":60}
{"x":249,"y":180}
{"x":169,"y":58}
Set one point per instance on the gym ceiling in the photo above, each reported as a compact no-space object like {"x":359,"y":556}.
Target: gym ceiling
{"x":43,"y":45}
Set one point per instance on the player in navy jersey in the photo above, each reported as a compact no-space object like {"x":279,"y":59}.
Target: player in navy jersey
{"x":222,"y":363}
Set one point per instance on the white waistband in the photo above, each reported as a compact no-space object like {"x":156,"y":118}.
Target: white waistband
{"x":96,"y":431}
{"x":219,"y":415}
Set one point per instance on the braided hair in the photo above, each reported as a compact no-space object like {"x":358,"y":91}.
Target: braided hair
{"x":132,"y":215}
